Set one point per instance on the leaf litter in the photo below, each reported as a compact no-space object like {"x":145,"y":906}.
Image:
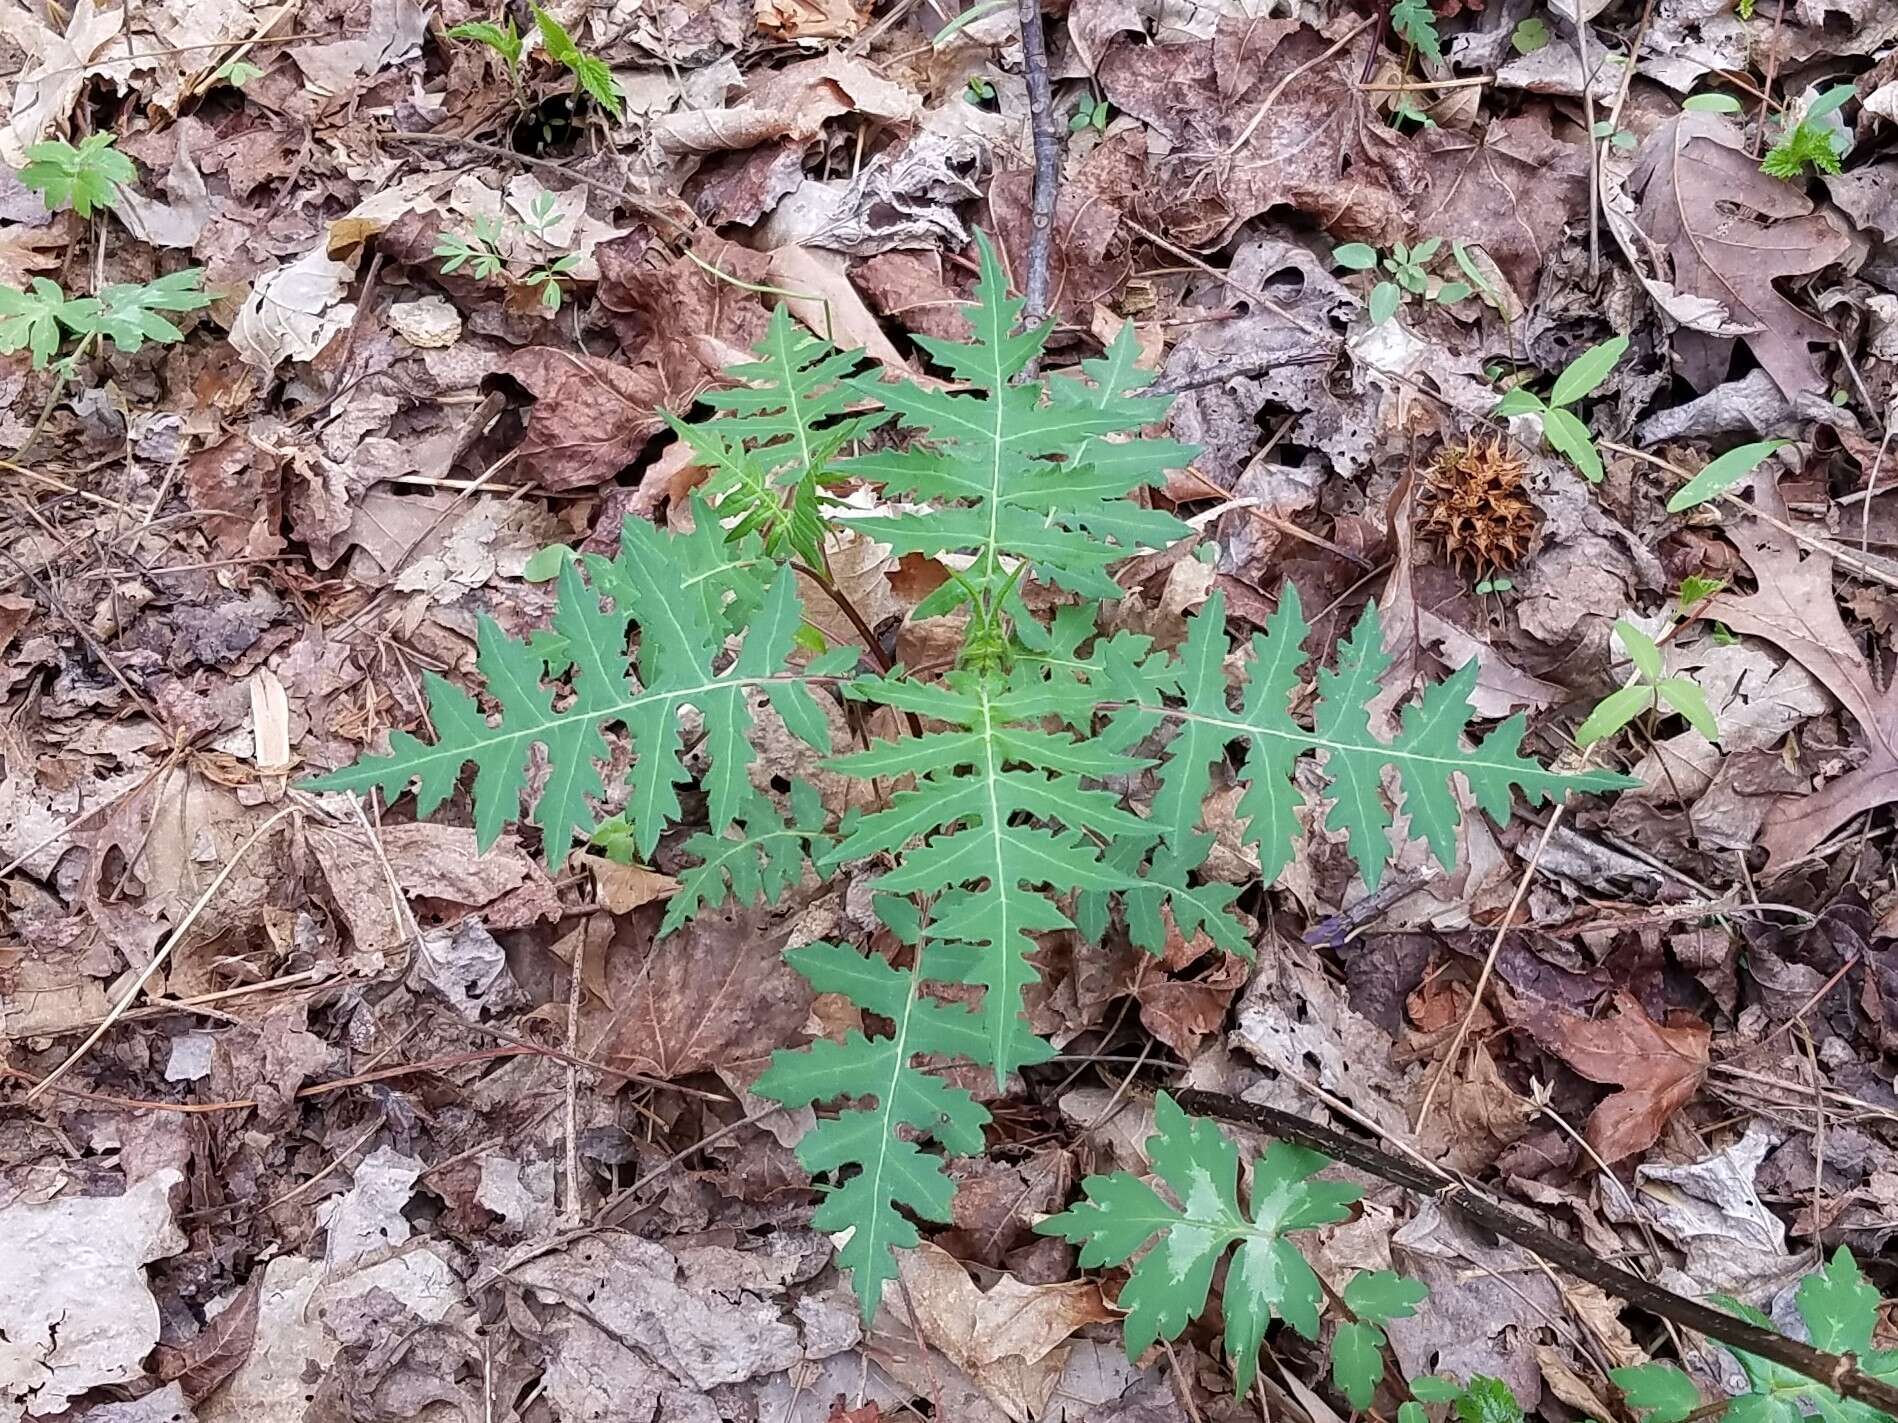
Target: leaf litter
{"x":371,"y":1116}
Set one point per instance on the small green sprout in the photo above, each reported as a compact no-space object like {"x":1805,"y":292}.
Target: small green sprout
{"x":1561,"y":427}
{"x":88,"y":176}
{"x":1650,"y":689}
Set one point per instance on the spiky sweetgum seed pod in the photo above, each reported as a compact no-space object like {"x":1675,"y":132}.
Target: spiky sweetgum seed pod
{"x":1473,"y":505}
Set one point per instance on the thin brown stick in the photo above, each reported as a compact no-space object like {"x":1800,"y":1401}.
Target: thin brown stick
{"x":1034,"y":50}
{"x":1839,"y":1372}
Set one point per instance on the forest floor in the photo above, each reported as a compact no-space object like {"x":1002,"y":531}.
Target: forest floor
{"x":310,"y":1108}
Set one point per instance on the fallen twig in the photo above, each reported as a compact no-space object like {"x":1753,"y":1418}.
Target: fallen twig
{"x":1034,"y":50}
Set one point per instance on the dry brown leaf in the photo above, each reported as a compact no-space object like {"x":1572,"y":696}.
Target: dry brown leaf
{"x":623,"y":888}
{"x":1658,"y":1066}
{"x":1512,"y":189}
{"x":826,"y":302}
{"x":25,"y":250}
{"x":1010,"y":1339}
{"x":716,"y":994}
{"x":1320,"y":147}
{"x":1731,"y":233}
{"x":1795,"y":610}
{"x":809,"y":19}
{"x":591,"y":418}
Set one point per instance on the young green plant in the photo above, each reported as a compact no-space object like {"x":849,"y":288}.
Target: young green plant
{"x":86,"y":177}
{"x":1651,"y":688}
{"x":1561,"y":426}
{"x":1812,"y":142}
{"x":1409,"y":272}
{"x":1008,"y":818}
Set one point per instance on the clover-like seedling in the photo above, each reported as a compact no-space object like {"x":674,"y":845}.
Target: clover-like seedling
{"x":1650,"y":689}
{"x":87,"y":176}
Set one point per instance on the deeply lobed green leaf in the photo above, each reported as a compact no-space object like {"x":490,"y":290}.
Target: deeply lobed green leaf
{"x":678,"y":645}
{"x":1168,"y":1286}
{"x":1426,"y":752}
{"x":1014,"y":473}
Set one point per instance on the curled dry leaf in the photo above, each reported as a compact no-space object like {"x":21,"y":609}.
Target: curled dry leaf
{"x":1731,"y":232}
{"x":1796,"y":610}
{"x":1658,"y":1066}
{"x":1009,"y":1339}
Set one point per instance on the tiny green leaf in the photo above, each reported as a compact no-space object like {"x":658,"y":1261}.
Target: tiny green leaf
{"x":1721,"y":473}
{"x":1378,"y":1295}
{"x":1569,"y":435}
{"x":1641,"y":649}
{"x":544,"y":566}
{"x":1452,"y":292}
{"x":1488,"y":1400}
{"x":1520,"y":401}
{"x":1357,"y":1362}
{"x":1587,"y":371}
{"x":1355,"y":256}
{"x":1613,"y":712}
{"x":1711,"y":104}
{"x":1434,"y":1388}
{"x":1529,"y":36}
{"x":1690,"y":701}
{"x":1385,"y":299}
{"x":1660,"y":1391}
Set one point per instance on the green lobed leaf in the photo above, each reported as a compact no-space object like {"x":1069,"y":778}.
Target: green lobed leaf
{"x":879,"y":1170}
{"x":1192,"y":1231}
{"x":1427,"y":751}
{"x":760,"y":862}
{"x":1414,"y":22}
{"x":1840,"y":1309}
{"x":677,"y":648}
{"x":1357,"y":1362}
{"x":1019,"y":472}
{"x":30,"y":320}
{"x":1379,"y":1295}
{"x":1660,"y":1392}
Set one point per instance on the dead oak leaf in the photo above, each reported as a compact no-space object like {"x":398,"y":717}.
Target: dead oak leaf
{"x":1796,"y":611}
{"x":1657,"y":1066}
{"x":1731,"y":232}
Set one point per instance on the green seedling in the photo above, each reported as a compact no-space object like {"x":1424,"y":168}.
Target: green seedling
{"x":88,"y":176}
{"x":1650,"y":689}
{"x":1561,"y":427}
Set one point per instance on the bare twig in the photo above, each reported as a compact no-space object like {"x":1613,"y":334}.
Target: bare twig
{"x":1839,"y":1372}
{"x":1034,"y":49}
{"x":1595,"y":142}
